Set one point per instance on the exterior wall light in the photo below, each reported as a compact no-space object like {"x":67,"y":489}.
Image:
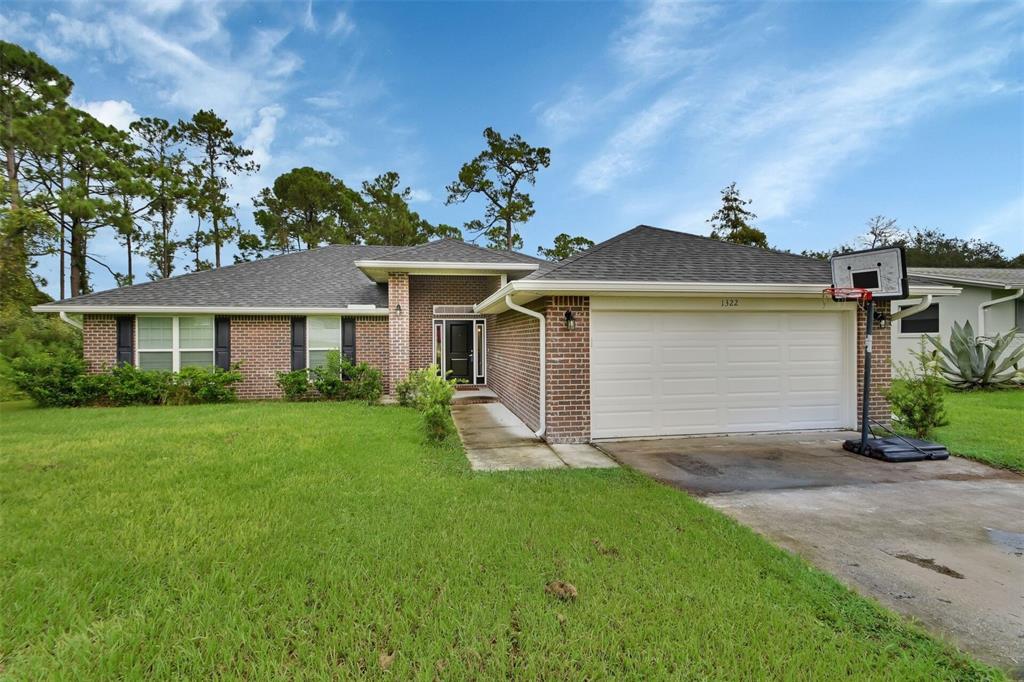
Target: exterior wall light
{"x":570,"y":320}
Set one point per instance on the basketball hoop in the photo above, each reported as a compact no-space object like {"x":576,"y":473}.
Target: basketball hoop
{"x":839,"y":294}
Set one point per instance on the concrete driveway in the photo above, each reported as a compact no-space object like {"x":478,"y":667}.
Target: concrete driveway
{"x":940,"y":541}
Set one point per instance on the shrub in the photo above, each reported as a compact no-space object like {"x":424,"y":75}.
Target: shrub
{"x":438,"y":423}
{"x":329,"y":378}
{"x":918,"y":395}
{"x":130,"y":385}
{"x":196,"y":385}
{"x":52,"y":380}
{"x":365,"y":383}
{"x":424,"y":388}
{"x":971,"y":362}
{"x":294,"y":384}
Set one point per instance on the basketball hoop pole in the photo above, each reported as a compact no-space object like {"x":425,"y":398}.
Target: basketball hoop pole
{"x":866,"y":392}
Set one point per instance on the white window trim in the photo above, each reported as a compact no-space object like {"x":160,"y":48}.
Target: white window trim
{"x":444,"y":336}
{"x":910,"y":303}
{"x":175,"y":349}
{"x":310,"y":347}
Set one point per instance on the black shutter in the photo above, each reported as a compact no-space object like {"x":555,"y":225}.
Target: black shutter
{"x":125,"y":327}
{"x":222,"y":343}
{"x":348,"y":338}
{"x":298,"y":343}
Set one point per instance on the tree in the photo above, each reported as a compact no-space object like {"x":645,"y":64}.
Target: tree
{"x":217,"y":159}
{"x":387,"y":218}
{"x":162,"y":163}
{"x":564,"y":247}
{"x":30,"y":90}
{"x":881,"y":232}
{"x":306,"y":208}
{"x":497,"y":173}
{"x":732,"y":221}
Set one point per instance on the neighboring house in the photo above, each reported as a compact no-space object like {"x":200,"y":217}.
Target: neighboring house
{"x":651,"y":333}
{"x":991,"y":299}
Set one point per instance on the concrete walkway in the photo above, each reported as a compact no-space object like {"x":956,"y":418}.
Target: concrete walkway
{"x":497,"y":440}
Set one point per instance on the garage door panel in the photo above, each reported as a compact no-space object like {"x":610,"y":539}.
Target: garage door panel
{"x":712,"y":372}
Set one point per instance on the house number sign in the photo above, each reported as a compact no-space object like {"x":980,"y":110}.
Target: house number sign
{"x":730,"y":302}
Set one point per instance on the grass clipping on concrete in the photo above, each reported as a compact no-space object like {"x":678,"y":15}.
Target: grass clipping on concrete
{"x":294,"y":540}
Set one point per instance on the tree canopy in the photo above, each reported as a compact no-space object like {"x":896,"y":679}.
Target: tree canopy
{"x":564,"y":246}
{"x":306,"y":208}
{"x":498,"y":173}
{"x":732,"y":222}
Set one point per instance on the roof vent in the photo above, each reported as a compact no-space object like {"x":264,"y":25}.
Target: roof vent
{"x":453,"y":309}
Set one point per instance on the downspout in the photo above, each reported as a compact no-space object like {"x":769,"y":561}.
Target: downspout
{"x":988,"y":304}
{"x":74,"y":323}
{"x":912,"y":310}
{"x":543,"y":360}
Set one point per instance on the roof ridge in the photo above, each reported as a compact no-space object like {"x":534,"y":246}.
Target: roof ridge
{"x":592,"y":250}
{"x":722,"y":241}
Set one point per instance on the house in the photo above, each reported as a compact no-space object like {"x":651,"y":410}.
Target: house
{"x":650,"y":333}
{"x":991,"y":299}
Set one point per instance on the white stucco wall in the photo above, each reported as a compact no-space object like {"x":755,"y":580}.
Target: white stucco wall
{"x":998,"y":318}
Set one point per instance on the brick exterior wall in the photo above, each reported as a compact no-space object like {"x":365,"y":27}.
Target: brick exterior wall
{"x":513,"y":363}
{"x":262,"y":343}
{"x":398,"y":328}
{"x":881,"y":366}
{"x":99,"y":342}
{"x":372,"y":344}
{"x":426,"y":291}
{"x":568,"y":370}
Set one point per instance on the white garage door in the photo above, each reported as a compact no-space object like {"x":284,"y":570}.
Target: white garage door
{"x":677,"y":373}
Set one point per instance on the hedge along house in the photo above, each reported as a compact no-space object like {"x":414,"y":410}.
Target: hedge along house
{"x":651,"y":333}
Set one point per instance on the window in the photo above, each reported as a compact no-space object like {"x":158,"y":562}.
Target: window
{"x":480,"y":351}
{"x":171,"y":343}
{"x":1018,"y":314}
{"x":323,"y":334}
{"x":924,"y":322}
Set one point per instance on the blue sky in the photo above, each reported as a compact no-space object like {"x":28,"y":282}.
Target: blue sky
{"x":824,"y":113}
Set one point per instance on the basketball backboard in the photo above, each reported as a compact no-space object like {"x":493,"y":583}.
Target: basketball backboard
{"x":883,"y":272}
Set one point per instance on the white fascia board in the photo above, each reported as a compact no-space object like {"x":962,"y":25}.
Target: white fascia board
{"x":540,"y":287}
{"x":197,"y":310}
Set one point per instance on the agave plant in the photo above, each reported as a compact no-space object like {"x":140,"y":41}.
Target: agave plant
{"x":971,"y":362}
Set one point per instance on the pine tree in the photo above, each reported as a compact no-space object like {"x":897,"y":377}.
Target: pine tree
{"x":732,"y":222}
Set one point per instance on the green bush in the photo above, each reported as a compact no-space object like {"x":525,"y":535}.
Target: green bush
{"x":329,"y":378}
{"x":130,"y":385}
{"x":365,"y":383}
{"x":438,"y":423}
{"x":196,"y":385}
{"x":295,"y":385}
{"x":427,"y":391}
{"x":424,"y":388}
{"x":918,"y":395}
{"x":52,"y":380}
{"x":60,"y":381}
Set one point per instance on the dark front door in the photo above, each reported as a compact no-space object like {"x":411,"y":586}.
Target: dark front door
{"x":459,"y":350}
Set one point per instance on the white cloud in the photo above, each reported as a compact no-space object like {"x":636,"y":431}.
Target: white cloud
{"x":113,"y":112}
{"x":656,"y":43}
{"x":420,"y":196}
{"x":623,"y":154}
{"x":342,"y":25}
{"x":308,"y":20}
{"x":1005,"y":226}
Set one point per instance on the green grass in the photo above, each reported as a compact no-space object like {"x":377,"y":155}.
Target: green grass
{"x":987,"y":426}
{"x":305,"y":540}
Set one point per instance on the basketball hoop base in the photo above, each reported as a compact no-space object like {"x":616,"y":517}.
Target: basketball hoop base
{"x":897,"y":449}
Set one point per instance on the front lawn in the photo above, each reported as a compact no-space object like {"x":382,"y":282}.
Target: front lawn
{"x":320,"y":540}
{"x":987,"y":426}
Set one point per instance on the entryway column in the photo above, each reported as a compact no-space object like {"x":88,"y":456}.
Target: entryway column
{"x":398,"y":328}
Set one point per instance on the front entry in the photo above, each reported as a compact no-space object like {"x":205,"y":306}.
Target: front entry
{"x":459,"y":350}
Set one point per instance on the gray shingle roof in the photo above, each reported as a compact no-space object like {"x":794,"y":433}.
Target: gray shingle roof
{"x":318,"y":278}
{"x":996,"y":277}
{"x":455,"y":251}
{"x":652,"y":254}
